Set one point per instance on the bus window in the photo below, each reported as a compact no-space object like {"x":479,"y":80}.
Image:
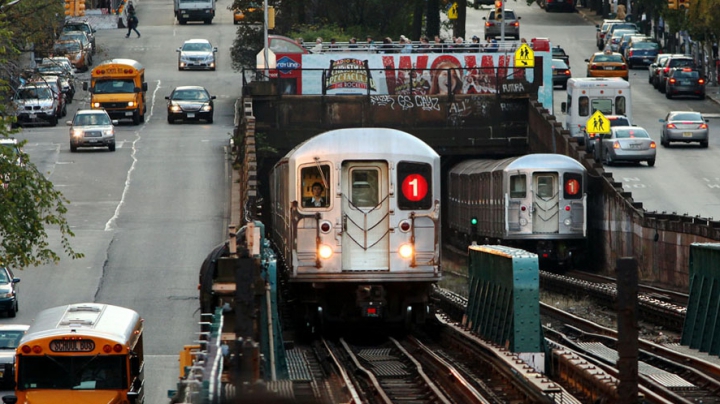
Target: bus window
{"x":603,"y":105}
{"x":518,"y":187}
{"x":583,"y":106}
{"x":315,"y":186}
{"x":620,"y":105}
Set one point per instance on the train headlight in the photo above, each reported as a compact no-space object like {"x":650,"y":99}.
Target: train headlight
{"x":325,"y":252}
{"x":567,"y":222}
{"x":406,"y":251}
{"x":523,"y":222}
{"x":405,"y":226}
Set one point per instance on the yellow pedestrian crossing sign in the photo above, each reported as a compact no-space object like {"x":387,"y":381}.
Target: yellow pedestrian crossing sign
{"x":453,"y":12}
{"x":524,"y":56}
{"x":598,"y":124}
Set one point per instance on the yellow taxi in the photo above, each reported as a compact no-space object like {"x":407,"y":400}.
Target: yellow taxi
{"x":239,"y":15}
{"x":607,"y":64}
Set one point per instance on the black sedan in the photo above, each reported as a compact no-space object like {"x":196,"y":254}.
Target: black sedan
{"x":559,"y":53}
{"x":190,"y":103}
{"x":560,"y":73}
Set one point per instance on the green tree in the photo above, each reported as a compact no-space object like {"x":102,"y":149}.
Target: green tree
{"x":29,"y":204}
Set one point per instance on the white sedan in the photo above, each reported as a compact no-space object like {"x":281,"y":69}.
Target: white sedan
{"x":197,"y":54}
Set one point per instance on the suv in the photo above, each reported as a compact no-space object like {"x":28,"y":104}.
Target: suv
{"x":66,"y":81}
{"x":35,"y":103}
{"x":56,"y":85}
{"x":590,"y":138}
{"x":493,"y":27}
{"x":685,"y":81}
{"x":82,"y":25}
{"x":92,"y":128}
{"x":671,"y":63}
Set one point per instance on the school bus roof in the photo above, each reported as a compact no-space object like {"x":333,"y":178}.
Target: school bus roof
{"x":87,"y":319}
{"x":127,"y":62}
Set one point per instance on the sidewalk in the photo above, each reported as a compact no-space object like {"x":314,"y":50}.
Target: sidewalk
{"x":712,"y":92}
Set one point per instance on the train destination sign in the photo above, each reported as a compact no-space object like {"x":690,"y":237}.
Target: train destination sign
{"x":82,"y":345}
{"x":414,"y":187}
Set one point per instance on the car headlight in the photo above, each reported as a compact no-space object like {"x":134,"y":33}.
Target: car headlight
{"x":6,"y":295}
{"x":108,"y":132}
{"x":77,"y":133}
{"x":175,"y":108}
{"x":131,"y":104}
{"x":206,"y":108}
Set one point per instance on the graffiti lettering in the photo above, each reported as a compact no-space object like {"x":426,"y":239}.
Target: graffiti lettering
{"x":405,"y":102}
{"x":427,"y":103}
{"x":513,"y":88}
{"x":382,"y":100}
{"x":461,"y":108}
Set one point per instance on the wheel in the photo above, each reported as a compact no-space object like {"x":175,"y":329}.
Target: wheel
{"x":608,"y":158}
{"x":630,"y":66}
{"x":662,"y":88}
{"x":53,"y":121}
{"x":136,"y":118}
{"x":142,"y":117}
{"x":704,"y":144}
{"x":64,"y":110}
{"x":171,"y":120}
{"x":111,"y":147}
{"x":654,"y":82}
{"x":207,"y":21}
{"x":12,"y":312}
{"x":564,"y":86}
{"x":649,"y":79}
{"x":651,"y":163}
{"x":668,"y":95}
{"x":702,"y":96}
{"x":73,"y":148}
{"x":182,"y":22}
{"x":210,"y":119}
{"x":664,"y":142}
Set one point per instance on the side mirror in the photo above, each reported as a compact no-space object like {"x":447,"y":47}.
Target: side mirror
{"x":563,"y":107}
{"x":16,"y":280}
{"x":519,"y":18}
{"x":144,"y":86}
{"x":167,"y":97}
{"x":587,"y":60}
{"x":484,"y":18}
{"x":213,"y":97}
{"x":68,"y":123}
{"x":661,"y":120}
{"x":215,"y":49}
{"x":178,"y":49}
{"x":115,"y":122}
{"x":94,"y":30}
{"x":85,"y":85}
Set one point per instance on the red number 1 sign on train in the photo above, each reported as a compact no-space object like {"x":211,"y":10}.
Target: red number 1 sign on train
{"x":572,"y":187}
{"x":414,"y":187}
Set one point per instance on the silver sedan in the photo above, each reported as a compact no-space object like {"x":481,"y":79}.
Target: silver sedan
{"x":627,"y":143}
{"x":684,"y":126}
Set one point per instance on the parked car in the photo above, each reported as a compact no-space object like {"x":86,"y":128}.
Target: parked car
{"x":641,"y":52}
{"x":671,"y":63}
{"x":84,"y":41}
{"x":607,"y":64}
{"x":74,"y":51}
{"x":35,"y":103}
{"x":565,"y":5}
{"x":559,"y":53}
{"x":602,"y":30}
{"x":686,"y":127}
{"x":626,"y":39}
{"x":190,"y":103}
{"x":92,"y":128}
{"x":655,"y":66}
{"x":590,"y":137}
{"x":493,"y":25}
{"x":612,"y":40}
{"x":57,"y":88}
{"x":626,"y":143}
{"x":685,"y":81}
{"x":10,"y":336}
{"x":8,"y":292}
{"x":66,"y":82}
{"x":61,"y":61}
{"x":561,"y":73}
{"x":84,"y":26}
{"x":196,"y":54}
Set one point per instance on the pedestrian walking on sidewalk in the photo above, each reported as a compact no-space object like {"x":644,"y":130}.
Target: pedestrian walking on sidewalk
{"x":132,"y":25}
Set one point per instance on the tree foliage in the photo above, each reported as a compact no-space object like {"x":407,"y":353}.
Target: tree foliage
{"x":29,"y":204}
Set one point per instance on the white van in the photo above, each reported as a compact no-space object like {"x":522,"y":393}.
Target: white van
{"x":609,"y":95}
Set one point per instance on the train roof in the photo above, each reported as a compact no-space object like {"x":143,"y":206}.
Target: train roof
{"x":536,"y":161}
{"x":90,"y":319}
{"x":364,"y":143}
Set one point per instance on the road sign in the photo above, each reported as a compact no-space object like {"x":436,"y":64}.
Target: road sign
{"x":598,"y":124}
{"x":453,"y":12}
{"x":524,"y":56}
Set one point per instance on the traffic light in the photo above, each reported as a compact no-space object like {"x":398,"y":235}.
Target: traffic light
{"x":672,"y":4}
{"x":498,"y":10}
{"x":473,"y":225}
{"x":271,"y":18}
{"x":79,"y":7}
{"x":70,"y":8}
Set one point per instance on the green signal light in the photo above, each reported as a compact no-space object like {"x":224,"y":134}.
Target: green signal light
{"x":473,"y":221}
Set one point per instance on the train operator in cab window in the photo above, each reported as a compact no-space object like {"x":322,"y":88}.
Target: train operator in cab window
{"x":316,"y":200}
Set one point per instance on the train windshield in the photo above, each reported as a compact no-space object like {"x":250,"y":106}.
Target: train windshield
{"x":365,"y":186}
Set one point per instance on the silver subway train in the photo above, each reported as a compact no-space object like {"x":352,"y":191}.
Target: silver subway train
{"x":536,"y":202}
{"x":355,"y":218}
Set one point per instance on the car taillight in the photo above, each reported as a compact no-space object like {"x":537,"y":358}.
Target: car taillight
{"x":489,"y":24}
{"x":616,"y":145}
{"x":701,"y":81}
{"x":703,"y":126}
{"x":666,"y":69}
{"x":653,"y":145}
{"x":594,"y":67}
{"x":672,"y":81}
{"x":567,"y":72}
{"x":671,"y":126}
{"x":515,"y":24}
{"x":623,"y":67}
{"x":630,"y":53}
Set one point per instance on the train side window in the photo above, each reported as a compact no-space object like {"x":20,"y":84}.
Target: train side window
{"x":415,"y":182}
{"x":365,"y":186}
{"x":620,"y":105}
{"x":518,"y":186}
{"x":583,"y":106}
{"x":315,"y":187}
{"x":572,"y":186}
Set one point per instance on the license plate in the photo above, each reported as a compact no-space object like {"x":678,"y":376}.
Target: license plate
{"x":186,"y":15}
{"x":191,"y":115}
{"x":32,"y":116}
{"x":687,"y":134}
{"x":609,"y":68}
{"x":646,"y":60}
{"x":684,"y":83}
{"x":129,"y":113}
{"x":92,"y":140}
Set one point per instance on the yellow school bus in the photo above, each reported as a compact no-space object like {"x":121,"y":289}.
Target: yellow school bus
{"x":81,"y":353}
{"x":118,"y":86}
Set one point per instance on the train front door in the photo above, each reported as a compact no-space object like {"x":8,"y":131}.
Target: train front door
{"x":546,"y":210}
{"x":365,"y":216}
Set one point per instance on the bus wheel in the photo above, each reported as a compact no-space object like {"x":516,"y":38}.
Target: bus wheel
{"x":142,"y":117}
{"x":136,"y":118}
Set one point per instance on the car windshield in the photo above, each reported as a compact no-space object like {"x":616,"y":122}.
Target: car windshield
{"x":10,"y":339}
{"x":77,"y":27}
{"x":190,"y":95}
{"x":681,"y":62}
{"x":67,"y":47}
{"x":631,"y":133}
{"x":197,"y":47}
{"x":114,"y":86}
{"x":645,"y":45}
{"x":558,"y":52}
{"x":509,"y":15}
{"x":74,"y":35}
{"x":91,"y":119}
{"x":687,"y":116}
{"x":34,"y":92}
{"x":615,"y":58}
{"x":619,"y":33}
{"x":48,"y":69}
